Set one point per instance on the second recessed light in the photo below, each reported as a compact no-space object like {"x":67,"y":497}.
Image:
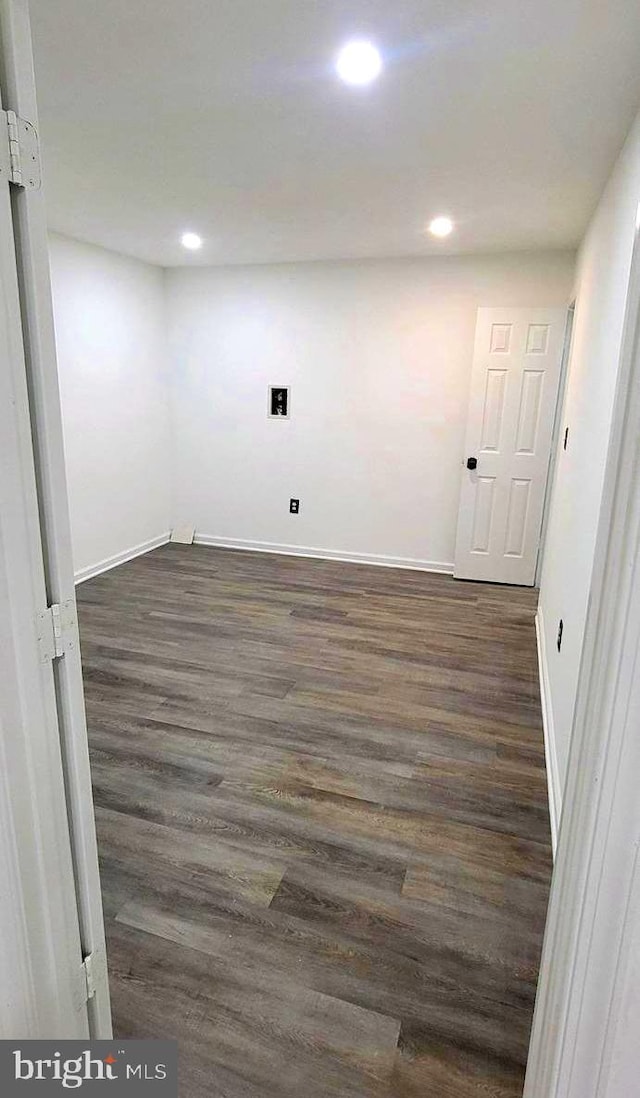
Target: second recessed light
{"x":441,"y":226}
{"x":359,"y":62}
{"x":191,"y":241}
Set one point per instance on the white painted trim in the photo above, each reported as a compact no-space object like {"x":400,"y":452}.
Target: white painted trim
{"x":42,"y":947}
{"x":325,"y":554}
{"x":554,"y":784}
{"x":121,"y":558}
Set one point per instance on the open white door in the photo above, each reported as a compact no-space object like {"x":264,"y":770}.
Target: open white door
{"x":52,"y":954}
{"x":514,"y":387}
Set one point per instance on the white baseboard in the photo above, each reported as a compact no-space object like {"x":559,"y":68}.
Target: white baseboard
{"x":554,"y":784}
{"x":120,"y":558}
{"x":325,"y":554}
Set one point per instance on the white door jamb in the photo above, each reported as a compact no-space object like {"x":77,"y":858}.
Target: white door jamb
{"x":32,"y":257}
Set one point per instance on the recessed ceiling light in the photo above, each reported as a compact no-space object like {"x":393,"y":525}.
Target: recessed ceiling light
{"x":191,"y":241}
{"x":441,"y":226}
{"x":359,"y":62}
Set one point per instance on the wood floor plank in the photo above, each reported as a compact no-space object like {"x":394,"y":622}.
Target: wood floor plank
{"x":150,"y":850}
{"x":280,"y":1038}
{"x":322,"y":822}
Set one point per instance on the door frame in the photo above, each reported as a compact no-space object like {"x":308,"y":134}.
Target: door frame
{"x":40,"y":950}
{"x":465,"y":572}
{"x":555,"y":435}
{"x":587,"y":1014}
{"x":32,"y":323}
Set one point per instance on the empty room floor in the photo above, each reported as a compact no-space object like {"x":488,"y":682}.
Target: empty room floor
{"x":322,"y":822}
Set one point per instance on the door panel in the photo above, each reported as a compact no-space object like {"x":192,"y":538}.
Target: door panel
{"x":514,"y":387}
{"x":493,"y":414}
{"x":517,"y":512}
{"x":530,"y":407}
{"x":483,"y":515}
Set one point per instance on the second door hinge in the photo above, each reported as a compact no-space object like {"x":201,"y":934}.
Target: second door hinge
{"x":57,"y":630}
{"x":20,"y":152}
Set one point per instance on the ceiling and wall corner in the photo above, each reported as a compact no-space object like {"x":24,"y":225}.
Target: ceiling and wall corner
{"x":227,"y":119}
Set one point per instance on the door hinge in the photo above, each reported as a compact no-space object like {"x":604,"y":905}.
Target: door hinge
{"x":89,"y":977}
{"x":20,"y":153}
{"x":57,"y":630}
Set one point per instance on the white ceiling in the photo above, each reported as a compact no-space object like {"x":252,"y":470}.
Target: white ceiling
{"x":225,"y":117}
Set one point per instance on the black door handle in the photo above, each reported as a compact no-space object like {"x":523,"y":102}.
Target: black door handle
{"x":472,"y":463}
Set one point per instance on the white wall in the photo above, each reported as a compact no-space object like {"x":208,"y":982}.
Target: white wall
{"x":111,"y":343}
{"x":602,"y":280}
{"x":378,"y":357}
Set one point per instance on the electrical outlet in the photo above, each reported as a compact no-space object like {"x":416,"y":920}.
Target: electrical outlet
{"x":560,"y":630}
{"x":294,"y":506}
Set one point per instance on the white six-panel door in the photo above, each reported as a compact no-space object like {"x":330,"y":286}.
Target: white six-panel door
{"x":514,"y":388}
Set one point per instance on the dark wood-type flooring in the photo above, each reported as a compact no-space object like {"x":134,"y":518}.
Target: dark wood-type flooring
{"x":322,"y":822}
